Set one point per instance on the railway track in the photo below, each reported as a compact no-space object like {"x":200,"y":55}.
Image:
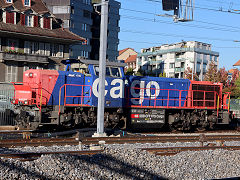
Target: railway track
{"x":30,"y":156}
{"x":115,"y":140}
{"x":167,"y":151}
{"x":38,"y":142}
{"x":161,"y":139}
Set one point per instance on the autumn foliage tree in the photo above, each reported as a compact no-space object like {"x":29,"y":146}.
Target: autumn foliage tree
{"x":212,"y":73}
{"x":188,"y":74}
{"x":234,"y":85}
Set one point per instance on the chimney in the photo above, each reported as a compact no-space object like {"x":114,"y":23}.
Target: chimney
{"x":26,"y":3}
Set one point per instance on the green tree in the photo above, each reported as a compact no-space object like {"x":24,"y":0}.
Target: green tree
{"x":140,"y":72}
{"x":129,"y":71}
{"x":236,"y":90}
{"x":162,"y":74}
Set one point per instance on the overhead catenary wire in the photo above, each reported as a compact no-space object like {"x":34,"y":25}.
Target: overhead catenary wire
{"x":203,"y":8}
{"x":175,"y":35}
{"x":151,"y":13}
{"x":180,"y":24}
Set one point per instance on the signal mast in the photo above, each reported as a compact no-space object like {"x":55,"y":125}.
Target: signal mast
{"x":183,"y":9}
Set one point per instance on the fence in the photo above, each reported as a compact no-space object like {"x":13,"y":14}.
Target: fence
{"x":6,"y":95}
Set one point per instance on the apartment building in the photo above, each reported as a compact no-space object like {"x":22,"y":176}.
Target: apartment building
{"x":28,"y":39}
{"x":81,"y":18}
{"x":173,"y":59}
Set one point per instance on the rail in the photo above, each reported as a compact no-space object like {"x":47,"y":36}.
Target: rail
{"x":30,"y":156}
{"x":173,"y":98}
{"x":166,"y":151}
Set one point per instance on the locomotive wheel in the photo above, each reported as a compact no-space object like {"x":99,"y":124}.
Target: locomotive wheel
{"x":201,"y":129}
{"x":122,"y":123}
{"x":172,"y":128}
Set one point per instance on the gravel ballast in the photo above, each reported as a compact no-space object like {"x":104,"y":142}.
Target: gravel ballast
{"x":126,"y":161}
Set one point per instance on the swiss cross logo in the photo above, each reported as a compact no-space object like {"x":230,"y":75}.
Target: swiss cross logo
{"x":134,"y":115}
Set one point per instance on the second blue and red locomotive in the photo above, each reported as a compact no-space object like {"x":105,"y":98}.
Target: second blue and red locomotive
{"x":69,"y":98}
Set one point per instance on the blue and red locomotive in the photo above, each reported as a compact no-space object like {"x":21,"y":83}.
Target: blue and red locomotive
{"x":69,"y":98}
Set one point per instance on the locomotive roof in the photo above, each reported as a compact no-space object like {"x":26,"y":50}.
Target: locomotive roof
{"x":93,"y":62}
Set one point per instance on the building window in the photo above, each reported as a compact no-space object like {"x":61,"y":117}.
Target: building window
{"x":12,"y":44}
{"x":31,"y":66}
{"x":72,"y":10}
{"x":27,"y":2}
{"x":61,"y":10}
{"x":47,"y":49}
{"x":41,"y":49}
{"x":86,"y":14}
{"x":34,"y":48}
{"x":84,"y":27}
{"x":28,"y":20}
{"x":60,"y":51}
{"x":56,"y":50}
{"x":88,"y":2}
{"x":71,"y":24}
{"x":11,"y":72}
{"x":171,"y":65}
{"x":66,"y":23}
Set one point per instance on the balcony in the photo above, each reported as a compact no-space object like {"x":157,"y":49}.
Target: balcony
{"x":179,"y":69}
{"x":5,"y":56}
{"x":187,"y":49}
{"x":179,"y":59}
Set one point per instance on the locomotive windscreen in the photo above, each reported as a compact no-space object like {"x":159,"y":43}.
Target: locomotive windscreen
{"x":169,"y":5}
{"x":204,"y":95}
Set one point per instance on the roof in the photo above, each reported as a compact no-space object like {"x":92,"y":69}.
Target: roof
{"x":131,"y":58}
{"x":60,"y":33}
{"x":93,"y":62}
{"x":36,"y":5}
{"x":122,"y":51}
{"x":232,"y":70}
{"x":237,"y":63}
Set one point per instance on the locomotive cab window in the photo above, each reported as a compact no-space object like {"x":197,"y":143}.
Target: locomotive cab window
{"x":82,"y":68}
{"x":115,"y":72}
{"x":110,"y":71}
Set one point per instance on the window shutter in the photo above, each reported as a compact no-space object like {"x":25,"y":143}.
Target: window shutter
{"x":48,"y":23}
{"x":23,"y":19}
{"x":12,"y":18}
{"x":7,"y":17}
{"x":36,"y":24}
{"x":44,"y":22}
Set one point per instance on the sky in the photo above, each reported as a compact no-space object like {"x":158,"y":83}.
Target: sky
{"x":216,"y":22}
